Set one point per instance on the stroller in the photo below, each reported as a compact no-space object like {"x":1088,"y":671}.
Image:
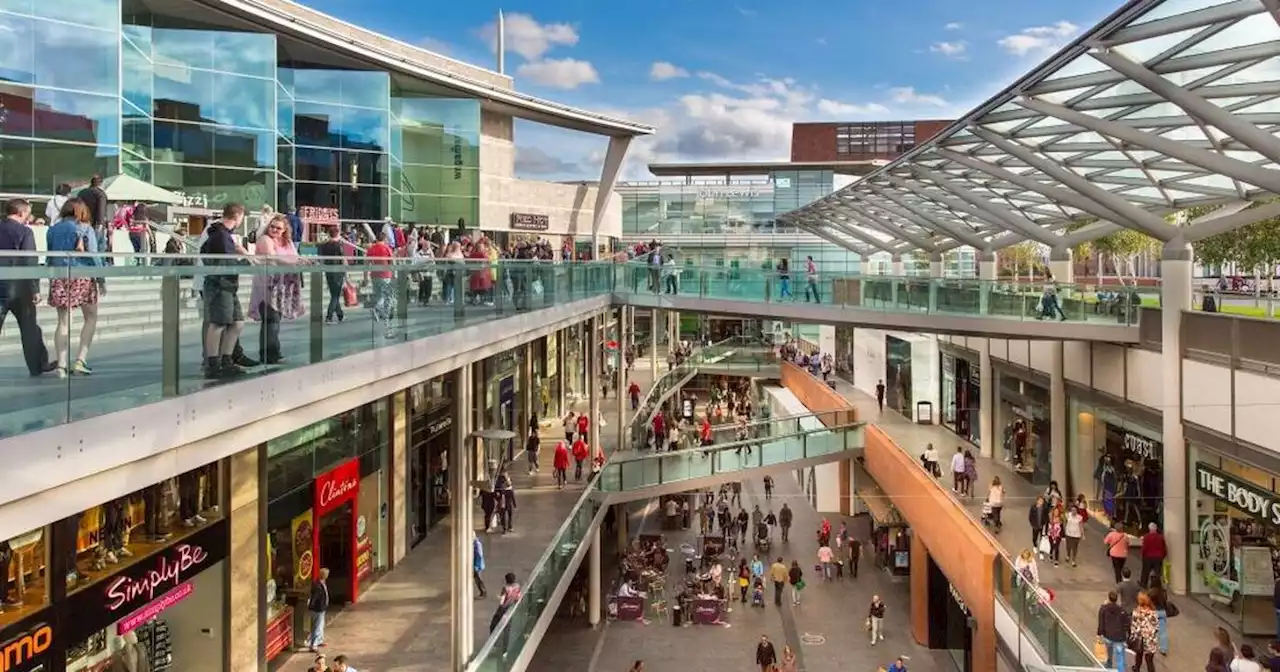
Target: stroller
{"x":757,"y":594}
{"x":987,"y":519}
{"x":763,"y":542}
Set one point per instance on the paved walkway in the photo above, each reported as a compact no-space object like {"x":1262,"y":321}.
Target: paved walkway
{"x":826,"y":630}
{"x":1079,"y":590}
{"x":403,"y":624}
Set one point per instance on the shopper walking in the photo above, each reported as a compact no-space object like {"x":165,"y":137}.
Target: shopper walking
{"x":1054,"y":533}
{"x":880,"y":397}
{"x":766,"y":657}
{"x":560,"y":463}
{"x":318,"y":606}
{"x":70,"y":234}
{"x":1117,"y":543}
{"x":811,"y":276}
{"x":1113,"y":630}
{"x":333,"y":252}
{"x":995,"y":498}
{"x":1038,"y":518}
{"x":511,"y":594}
{"x":1073,"y":531}
{"x":779,"y":573}
{"x":477,"y":565}
{"x":957,"y":471}
{"x":784,"y":520}
{"x":20,"y":297}
{"x":1154,"y":551}
{"x":875,"y":619}
{"x":796,"y":577}
{"x":1143,"y":628}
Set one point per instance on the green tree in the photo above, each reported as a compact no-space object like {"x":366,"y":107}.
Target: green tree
{"x":1122,"y":249}
{"x":1027,"y":255}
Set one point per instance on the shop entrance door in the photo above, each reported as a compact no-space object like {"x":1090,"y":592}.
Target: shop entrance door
{"x":418,"y":488}
{"x":336,"y":551}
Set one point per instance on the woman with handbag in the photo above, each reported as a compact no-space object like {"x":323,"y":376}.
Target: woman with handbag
{"x":275,"y":296}
{"x":72,"y":233}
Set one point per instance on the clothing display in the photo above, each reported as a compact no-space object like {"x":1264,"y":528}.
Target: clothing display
{"x":154,"y":639}
{"x":1105,"y":482}
{"x":130,"y":658}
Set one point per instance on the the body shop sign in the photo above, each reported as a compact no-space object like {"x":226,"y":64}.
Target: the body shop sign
{"x":147,"y":586}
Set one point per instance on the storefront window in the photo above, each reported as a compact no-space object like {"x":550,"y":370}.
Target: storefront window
{"x":431,"y":432}
{"x":1235,"y":541}
{"x":154,"y":610}
{"x":327,"y":507}
{"x":1117,"y":464}
{"x":1023,"y":418}
{"x":549,"y":391}
{"x":101,"y":542}
{"x":23,"y":567}
{"x":897,"y":376}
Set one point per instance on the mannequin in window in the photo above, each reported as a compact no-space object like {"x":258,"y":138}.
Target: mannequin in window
{"x":1104,"y":484}
{"x":129,"y":657}
{"x":1129,"y":497}
{"x":1019,"y":443}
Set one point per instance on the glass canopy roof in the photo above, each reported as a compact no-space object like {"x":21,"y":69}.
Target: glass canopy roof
{"x":1164,"y":105}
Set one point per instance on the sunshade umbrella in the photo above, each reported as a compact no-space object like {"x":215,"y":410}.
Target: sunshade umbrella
{"x":129,"y":189}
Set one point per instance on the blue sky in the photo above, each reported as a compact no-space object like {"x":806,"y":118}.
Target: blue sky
{"x":724,"y":80}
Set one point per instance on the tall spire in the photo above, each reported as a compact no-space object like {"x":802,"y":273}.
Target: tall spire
{"x":502,"y":44}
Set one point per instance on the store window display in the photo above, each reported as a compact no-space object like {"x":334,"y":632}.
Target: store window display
{"x":99,"y":541}
{"x":1117,"y":464}
{"x":23,"y":569}
{"x":1235,"y":543}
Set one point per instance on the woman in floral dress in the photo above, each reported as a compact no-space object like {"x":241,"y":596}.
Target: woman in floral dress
{"x":275,"y":296}
{"x":1143,"y":628}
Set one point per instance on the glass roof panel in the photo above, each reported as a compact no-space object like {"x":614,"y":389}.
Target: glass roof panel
{"x":1247,"y":31}
{"x":1080,"y":65}
{"x":1063,"y":96}
{"x":1184,"y":133}
{"x":1266,"y":71}
{"x":1158,"y":110}
{"x":1004,"y":126}
{"x":1243,"y":155}
{"x":1214,"y":180}
{"x":1184,"y":195}
{"x":1087,"y":136}
{"x":1166,"y":174}
{"x":1170,"y":8}
{"x":1143,"y":50}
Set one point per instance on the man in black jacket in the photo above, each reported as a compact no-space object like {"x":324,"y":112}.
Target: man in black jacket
{"x":20,"y":297}
{"x":318,"y":605}
{"x":1113,"y":628}
{"x":1038,"y":517}
{"x":766,"y":657}
{"x":96,"y":200}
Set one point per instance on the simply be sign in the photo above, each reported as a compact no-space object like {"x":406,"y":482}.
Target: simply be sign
{"x":1243,"y":495}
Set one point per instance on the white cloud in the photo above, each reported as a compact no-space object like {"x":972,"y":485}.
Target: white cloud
{"x":954,"y":25}
{"x":559,"y":73}
{"x":1039,"y":38}
{"x":662,"y":71}
{"x":528,"y":38}
{"x":834,"y":108}
{"x":907,"y":95}
{"x":949,"y":49}
{"x":746,"y":11}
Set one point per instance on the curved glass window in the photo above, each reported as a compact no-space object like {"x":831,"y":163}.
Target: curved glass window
{"x":76,"y":117}
{"x":247,"y":102}
{"x":245,"y":53}
{"x":103,"y":14}
{"x":243,"y":148}
{"x":360,"y":88}
{"x":184,"y":143}
{"x":327,"y":125}
{"x":138,"y":85}
{"x":183,"y":93}
{"x":76,"y":57}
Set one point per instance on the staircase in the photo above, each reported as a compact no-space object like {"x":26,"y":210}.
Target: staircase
{"x":130,"y":310}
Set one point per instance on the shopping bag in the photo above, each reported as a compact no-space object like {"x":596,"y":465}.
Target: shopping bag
{"x":349,"y":297}
{"x":1100,"y":650}
{"x":1044,"y":545}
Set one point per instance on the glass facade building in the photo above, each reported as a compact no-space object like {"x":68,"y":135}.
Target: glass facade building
{"x":224,"y":115}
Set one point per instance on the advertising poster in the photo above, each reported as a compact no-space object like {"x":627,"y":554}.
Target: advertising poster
{"x":303,"y":558}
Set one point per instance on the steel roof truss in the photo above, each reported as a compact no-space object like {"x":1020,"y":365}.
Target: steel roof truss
{"x":956,"y":230}
{"x":890,"y":228}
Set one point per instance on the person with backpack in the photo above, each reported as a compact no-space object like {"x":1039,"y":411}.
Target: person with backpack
{"x":510,"y":595}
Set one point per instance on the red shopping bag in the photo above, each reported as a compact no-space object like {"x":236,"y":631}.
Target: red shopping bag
{"x":349,"y":297}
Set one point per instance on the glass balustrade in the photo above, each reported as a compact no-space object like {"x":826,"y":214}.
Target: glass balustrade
{"x":147,"y":343}
{"x":921,"y":295}
{"x":631,"y":473}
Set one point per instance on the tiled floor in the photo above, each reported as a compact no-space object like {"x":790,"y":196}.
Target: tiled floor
{"x":403,"y":623}
{"x":1079,"y":590}
{"x":826,"y":630}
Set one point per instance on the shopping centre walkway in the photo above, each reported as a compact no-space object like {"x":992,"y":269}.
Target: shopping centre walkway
{"x":1079,"y":590}
{"x":826,"y":630}
{"x":403,"y":623}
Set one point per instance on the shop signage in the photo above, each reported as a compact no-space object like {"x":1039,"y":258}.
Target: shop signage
{"x":523,"y":221}
{"x":337,"y":487}
{"x":140,"y":584}
{"x":726,"y":193}
{"x":441,"y":423}
{"x":1141,"y":446}
{"x":303,"y":560}
{"x":316,"y":215}
{"x":132,"y":621}
{"x":1251,"y":499}
{"x":19,"y":652}
{"x":364,"y":558}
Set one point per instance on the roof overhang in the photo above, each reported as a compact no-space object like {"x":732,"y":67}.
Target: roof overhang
{"x":361,"y":44}
{"x":762,"y":168}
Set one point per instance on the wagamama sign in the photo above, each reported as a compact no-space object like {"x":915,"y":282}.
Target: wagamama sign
{"x":1245,"y":496}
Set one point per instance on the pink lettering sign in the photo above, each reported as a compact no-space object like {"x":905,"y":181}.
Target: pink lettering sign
{"x":132,"y":621}
{"x":170,"y":571}
{"x":334,"y":491}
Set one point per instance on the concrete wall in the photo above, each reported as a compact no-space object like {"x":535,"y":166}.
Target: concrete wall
{"x":568,"y":206}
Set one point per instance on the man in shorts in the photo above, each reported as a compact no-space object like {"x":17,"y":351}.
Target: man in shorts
{"x":223,"y":314}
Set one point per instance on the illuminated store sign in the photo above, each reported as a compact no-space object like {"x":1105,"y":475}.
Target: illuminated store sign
{"x":16,"y":653}
{"x":1247,"y":497}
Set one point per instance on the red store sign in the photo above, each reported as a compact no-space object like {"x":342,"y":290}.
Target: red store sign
{"x":333,"y":489}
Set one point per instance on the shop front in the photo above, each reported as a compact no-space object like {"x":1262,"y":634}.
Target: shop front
{"x":951,"y":623}
{"x":897,"y":376}
{"x":1118,"y":463}
{"x":550,"y":395}
{"x":960,"y":394}
{"x":165,"y":611}
{"x":327,"y":488}
{"x":30,"y":644}
{"x":431,"y":431}
{"x":1235,"y":539}
{"x":1022,"y":414}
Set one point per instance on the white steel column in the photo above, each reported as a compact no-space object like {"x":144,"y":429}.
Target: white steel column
{"x":593,"y":579}
{"x":935,"y":275}
{"x":613,"y":157}
{"x":896,"y":271}
{"x":1062,"y":268}
{"x":1057,"y":415}
{"x":593,"y":385}
{"x":655,"y":337}
{"x":986,"y":401}
{"x":620,"y":379}
{"x":462,"y":522}
{"x":1175,"y":297}
{"x":986,"y":272}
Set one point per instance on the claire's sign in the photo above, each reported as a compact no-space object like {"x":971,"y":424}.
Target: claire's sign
{"x":1239,"y":493}
{"x":337,"y":487}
